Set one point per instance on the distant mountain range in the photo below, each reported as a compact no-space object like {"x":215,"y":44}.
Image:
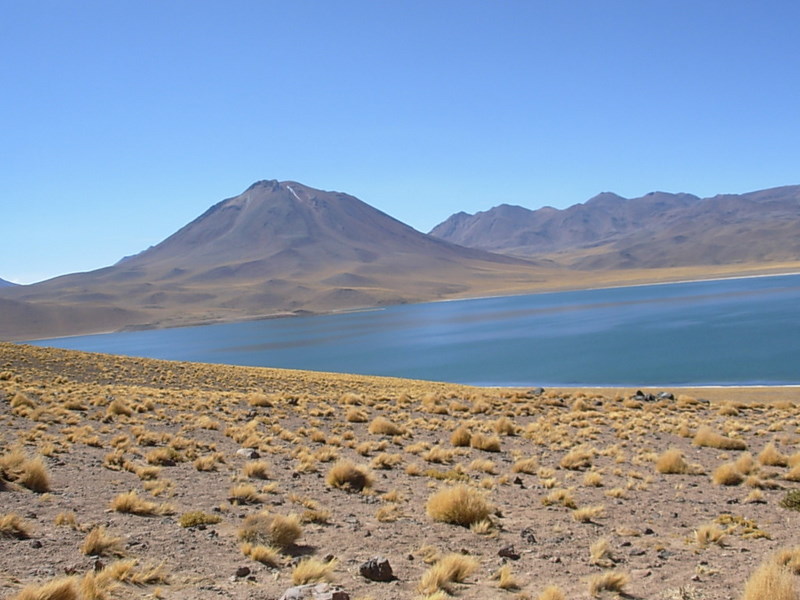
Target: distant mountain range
{"x":4,"y":283}
{"x":655,"y":231}
{"x":278,"y":248}
{"x":283,"y":248}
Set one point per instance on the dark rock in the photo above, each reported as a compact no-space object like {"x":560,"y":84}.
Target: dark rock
{"x":536,"y":391}
{"x":508,"y":552}
{"x":36,"y":544}
{"x":666,"y":396}
{"x":518,"y":480}
{"x":527,"y":535}
{"x":248,"y":453}
{"x":315,"y":591}
{"x":649,"y":531}
{"x":242,"y":571}
{"x":376,"y":568}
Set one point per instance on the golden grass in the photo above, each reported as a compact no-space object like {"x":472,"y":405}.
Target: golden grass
{"x":264,"y":528}
{"x":461,"y":437}
{"x":551,"y":592}
{"x":458,"y":505}
{"x":198,"y":517}
{"x":770,"y":456}
{"x":98,"y":543}
{"x":709,"y":534}
{"x":63,"y":588}
{"x":244,"y":493}
{"x":452,"y":568}
{"x":770,"y":581}
{"x":258,"y":469}
{"x":131,"y":503}
{"x":506,"y":579}
{"x":671,"y":462}
{"x":727,"y":474}
{"x":577,"y":459}
{"x":612,"y":581}
{"x":14,"y":526}
{"x":348,"y":476}
{"x":588,"y":514}
{"x":600,"y":553}
{"x":383,"y":426}
{"x":266,"y":555}
{"x":526,"y":465}
{"x":707,"y":437}
{"x":313,"y":570}
{"x":486,"y":443}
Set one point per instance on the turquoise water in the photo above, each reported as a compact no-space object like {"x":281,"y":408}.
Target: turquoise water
{"x":725,"y":332}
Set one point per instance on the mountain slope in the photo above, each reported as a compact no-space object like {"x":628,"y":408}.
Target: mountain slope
{"x":4,"y":283}
{"x":278,"y":248}
{"x":655,"y":231}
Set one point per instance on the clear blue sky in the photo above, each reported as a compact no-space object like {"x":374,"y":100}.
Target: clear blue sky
{"x":122,"y":120}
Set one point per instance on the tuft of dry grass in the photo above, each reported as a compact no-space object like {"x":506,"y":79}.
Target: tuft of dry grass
{"x":461,"y":437}
{"x":486,"y":443}
{"x":770,"y":456}
{"x":244,"y":493}
{"x":313,"y":570}
{"x":258,"y":469}
{"x":577,"y":459}
{"x":770,"y":581}
{"x":131,"y":503}
{"x":552,"y":592}
{"x":98,"y":543}
{"x":198,"y":517}
{"x":671,"y":462}
{"x":452,"y":568}
{"x":383,"y":426}
{"x":707,"y":437}
{"x":612,"y":581}
{"x":63,"y":588}
{"x":709,"y":534}
{"x":272,"y":530}
{"x":266,"y":555}
{"x":458,"y":505}
{"x":526,"y":465}
{"x":13,"y":526}
{"x":727,"y":474}
{"x":506,"y":580}
{"x":587,"y":514}
{"x":600,"y":553}
{"x":348,"y":476}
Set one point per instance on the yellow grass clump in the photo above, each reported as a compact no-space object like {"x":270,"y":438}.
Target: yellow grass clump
{"x":552,"y":592}
{"x":257,"y":469}
{"x":487,"y":443}
{"x":452,"y":568}
{"x":266,"y":555}
{"x":131,"y":503}
{"x":195,"y":518}
{"x":383,"y":426}
{"x":349,"y":476}
{"x":770,"y":456}
{"x":707,"y":437}
{"x":577,"y":459}
{"x":63,"y":588}
{"x":727,"y":474}
{"x":98,"y":543}
{"x":13,"y":526}
{"x":272,"y":530}
{"x":671,"y":462}
{"x":313,"y":570}
{"x":461,"y":437}
{"x":770,"y":581}
{"x":612,"y":581}
{"x":458,"y":505}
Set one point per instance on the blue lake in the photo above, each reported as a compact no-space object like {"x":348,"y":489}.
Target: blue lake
{"x":724,"y":332}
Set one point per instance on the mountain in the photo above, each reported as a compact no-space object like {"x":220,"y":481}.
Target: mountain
{"x":658,"y":230}
{"x":278,"y":248}
{"x":4,"y":283}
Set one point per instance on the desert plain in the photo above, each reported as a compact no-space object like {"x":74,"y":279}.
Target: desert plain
{"x":136,"y":478}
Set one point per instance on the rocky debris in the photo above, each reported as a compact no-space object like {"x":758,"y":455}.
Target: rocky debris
{"x":508,"y":552}
{"x":315,"y":591}
{"x":248,"y":453}
{"x":377,"y":568}
{"x":242,"y":571}
{"x":527,"y":535}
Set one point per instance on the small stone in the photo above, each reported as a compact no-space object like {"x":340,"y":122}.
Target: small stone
{"x":527,"y":535}
{"x":36,"y":544}
{"x":242,"y":571}
{"x":508,"y":552}
{"x":376,"y":568}
{"x":649,"y":531}
{"x":318,"y":591}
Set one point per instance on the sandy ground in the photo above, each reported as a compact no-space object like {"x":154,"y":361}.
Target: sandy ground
{"x":569,"y":470}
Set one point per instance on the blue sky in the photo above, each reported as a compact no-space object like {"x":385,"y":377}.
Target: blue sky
{"x":123,"y":120}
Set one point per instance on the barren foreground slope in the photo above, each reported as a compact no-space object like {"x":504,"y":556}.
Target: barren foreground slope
{"x":125,"y":475}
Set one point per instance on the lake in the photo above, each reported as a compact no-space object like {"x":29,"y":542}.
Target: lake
{"x":723,"y":332}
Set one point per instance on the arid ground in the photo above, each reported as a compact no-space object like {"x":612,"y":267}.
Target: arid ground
{"x":123,"y":477}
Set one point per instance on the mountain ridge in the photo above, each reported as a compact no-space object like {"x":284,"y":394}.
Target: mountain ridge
{"x":657,"y":230}
{"x":278,"y":248}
